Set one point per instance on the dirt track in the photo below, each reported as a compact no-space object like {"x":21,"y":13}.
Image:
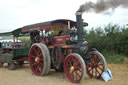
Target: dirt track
{"x":24,"y":76}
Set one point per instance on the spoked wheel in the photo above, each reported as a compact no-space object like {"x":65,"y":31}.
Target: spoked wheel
{"x":97,"y":65}
{"x":39,"y":59}
{"x":74,"y":67}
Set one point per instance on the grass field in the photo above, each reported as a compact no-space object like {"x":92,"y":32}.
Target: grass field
{"x":114,"y":58}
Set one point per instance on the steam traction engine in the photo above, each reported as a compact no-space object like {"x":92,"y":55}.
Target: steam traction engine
{"x":68,"y":50}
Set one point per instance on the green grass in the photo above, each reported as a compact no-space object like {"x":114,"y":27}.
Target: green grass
{"x":113,"y":58}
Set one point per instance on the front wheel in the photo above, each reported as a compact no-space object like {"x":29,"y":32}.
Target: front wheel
{"x":74,"y":67}
{"x":96,"y":66}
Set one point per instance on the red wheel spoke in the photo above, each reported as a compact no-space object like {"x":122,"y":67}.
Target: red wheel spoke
{"x":41,"y":59}
{"x":72,"y":74}
{"x":70,"y":63}
{"x":40,"y":69}
{"x":98,"y":61}
{"x":100,"y":64}
{"x":97,"y":71}
{"x":100,"y":68}
{"x":33,"y":56}
{"x":88,"y":65}
{"x":79,"y":70}
{"x":72,"y":59}
{"x":35,"y":51}
{"x":41,"y":63}
{"x":37,"y":68}
{"x":76,"y":68}
{"x":33,"y":64}
{"x":90,"y":69}
{"x":76,"y":63}
{"x":77,"y":74}
{"x":40,"y":66}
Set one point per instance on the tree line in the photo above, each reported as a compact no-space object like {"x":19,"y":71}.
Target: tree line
{"x":111,"y":38}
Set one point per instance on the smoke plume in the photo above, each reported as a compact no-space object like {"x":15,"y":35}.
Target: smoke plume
{"x":102,"y":5}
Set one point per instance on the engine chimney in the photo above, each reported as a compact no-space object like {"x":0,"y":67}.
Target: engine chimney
{"x":79,"y":23}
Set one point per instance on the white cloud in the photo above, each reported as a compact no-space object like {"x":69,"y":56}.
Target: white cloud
{"x":17,"y":13}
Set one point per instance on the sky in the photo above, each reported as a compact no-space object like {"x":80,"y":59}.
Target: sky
{"x":18,"y":13}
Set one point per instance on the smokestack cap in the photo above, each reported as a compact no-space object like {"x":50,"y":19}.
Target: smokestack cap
{"x":78,"y":13}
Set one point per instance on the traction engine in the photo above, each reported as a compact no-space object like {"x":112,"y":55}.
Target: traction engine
{"x":68,"y":52}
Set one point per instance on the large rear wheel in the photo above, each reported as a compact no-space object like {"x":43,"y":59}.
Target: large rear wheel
{"x":96,"y":66}
{"x":74,"y":67}
{"x":39,"y":59}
